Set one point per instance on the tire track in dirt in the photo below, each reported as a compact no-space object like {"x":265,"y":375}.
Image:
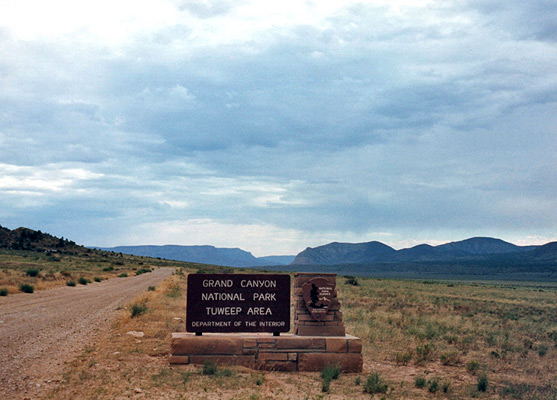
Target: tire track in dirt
{"x":39,"y":332}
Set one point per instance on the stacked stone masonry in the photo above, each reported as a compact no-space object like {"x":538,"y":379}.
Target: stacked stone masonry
{"x":271,"y":353}
{"x":313,"y":346}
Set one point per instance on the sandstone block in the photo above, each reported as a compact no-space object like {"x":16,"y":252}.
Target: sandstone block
{"x":179,"y":360}
{"x":337,"y":345}
{"x":266,"y":356}
{"x":354,"y":345}
{"x":206,"y":345}
{"x":248,"y":342}
{"x":301,"y":343}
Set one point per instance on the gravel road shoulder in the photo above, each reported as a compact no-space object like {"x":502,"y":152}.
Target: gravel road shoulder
{"x":39,"y":331}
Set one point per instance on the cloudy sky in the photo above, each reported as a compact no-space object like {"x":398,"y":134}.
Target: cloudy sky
{"x":277,"y":125}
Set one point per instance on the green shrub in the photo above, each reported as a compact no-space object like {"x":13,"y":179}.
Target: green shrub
{"x":433,"y":385}
{"x":542,"y":350}
{"x":143,"y":271}
{"x":482,"y":382}
{"x":151,"y":288}
{"x":329,"y":373}
{"x":402,"y":358}
{"x":209,"y":368}
{"x":108,"y":269}
{"x":70,"y":283}
{"x":26,"y":288}
{"x":425,"y":352}
{"x":419,"y":382}
{"x":472,"y":366}
{"x":32,"y":272}
{"x":445,"y":387}
{"x":138,"y":308}
{"x":123,"y":275}
{"x":375,"y":384}
{"x":82,"y":281}
{"x":3,"y":292}
{"x":350,"y":280}
{"x":450,"y":358}
{"x":97,"y":279}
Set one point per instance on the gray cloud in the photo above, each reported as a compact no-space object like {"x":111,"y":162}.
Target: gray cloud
{"x":413,"y":123}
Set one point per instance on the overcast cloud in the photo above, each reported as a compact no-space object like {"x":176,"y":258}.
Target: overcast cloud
{"x":273,"y":126}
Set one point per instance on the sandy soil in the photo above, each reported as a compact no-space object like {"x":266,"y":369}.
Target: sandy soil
{"x":40,"y":331}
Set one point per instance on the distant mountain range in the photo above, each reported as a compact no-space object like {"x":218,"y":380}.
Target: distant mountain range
{"x":230,"y":257}
{"x":474,"y":258}
{"x":473,"y":249}
{"x":470,"y":249}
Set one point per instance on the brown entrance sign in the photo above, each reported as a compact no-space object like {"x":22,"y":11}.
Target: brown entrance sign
{"x":318,"y":296}
{"x":228,"y":303}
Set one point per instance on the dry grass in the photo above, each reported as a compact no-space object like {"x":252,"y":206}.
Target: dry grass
{"x":447,"y":334}
{"x":55,"y":269}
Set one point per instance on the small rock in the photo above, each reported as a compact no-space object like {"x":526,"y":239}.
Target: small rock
{"x":177,"y":319}
{"x":138,"y":390}
{"x":136,"y":334}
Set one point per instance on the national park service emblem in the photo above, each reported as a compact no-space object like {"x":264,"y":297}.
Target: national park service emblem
{"x":318,"y":295}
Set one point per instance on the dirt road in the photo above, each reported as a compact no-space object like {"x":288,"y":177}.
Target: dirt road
{"x":39,"y":331}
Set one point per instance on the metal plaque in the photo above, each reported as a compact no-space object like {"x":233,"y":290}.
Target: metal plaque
{"x":318,"y":296}
{"x":228,"y":303}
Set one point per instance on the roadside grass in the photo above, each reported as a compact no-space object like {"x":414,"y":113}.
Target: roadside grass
{"x":48,"y":270}
{"x":420,"y":341}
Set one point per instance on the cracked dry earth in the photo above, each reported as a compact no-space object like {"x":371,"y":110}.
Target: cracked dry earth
{"x":40,"y":331}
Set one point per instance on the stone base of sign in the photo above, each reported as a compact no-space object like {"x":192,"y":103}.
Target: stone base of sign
{"x":271,"y":353}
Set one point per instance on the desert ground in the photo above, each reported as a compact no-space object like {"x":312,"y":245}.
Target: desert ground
{"x":421,"y":340}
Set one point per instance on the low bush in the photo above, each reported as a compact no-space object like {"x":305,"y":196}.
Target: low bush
{"x":32,"y":272}
{"x":142,"y":271}
{"x":83,"y":281}
{"x":375,"y":384}
{"x":70,"y":283}
{"x":433,"y":385}
{"x":450,"y":358}
{"x":446,"y":386}
{"x":425,"y":352}
{"x":402,"y":358}
{"x":420,"y":382}
{"x":26,"y":288}
{"x":350,"y":280}
{"x":138,"y":308}
{"x":329,"y":373}
{"x":123,"y":275}
{"x":151,"y":288}
{"x":472,"y":366}
{"x":209,"y":368}
{"x":97,"y":279}
{"x":482,"y":382}
{"x":108,"y":269}
{"x":3,"y":292}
